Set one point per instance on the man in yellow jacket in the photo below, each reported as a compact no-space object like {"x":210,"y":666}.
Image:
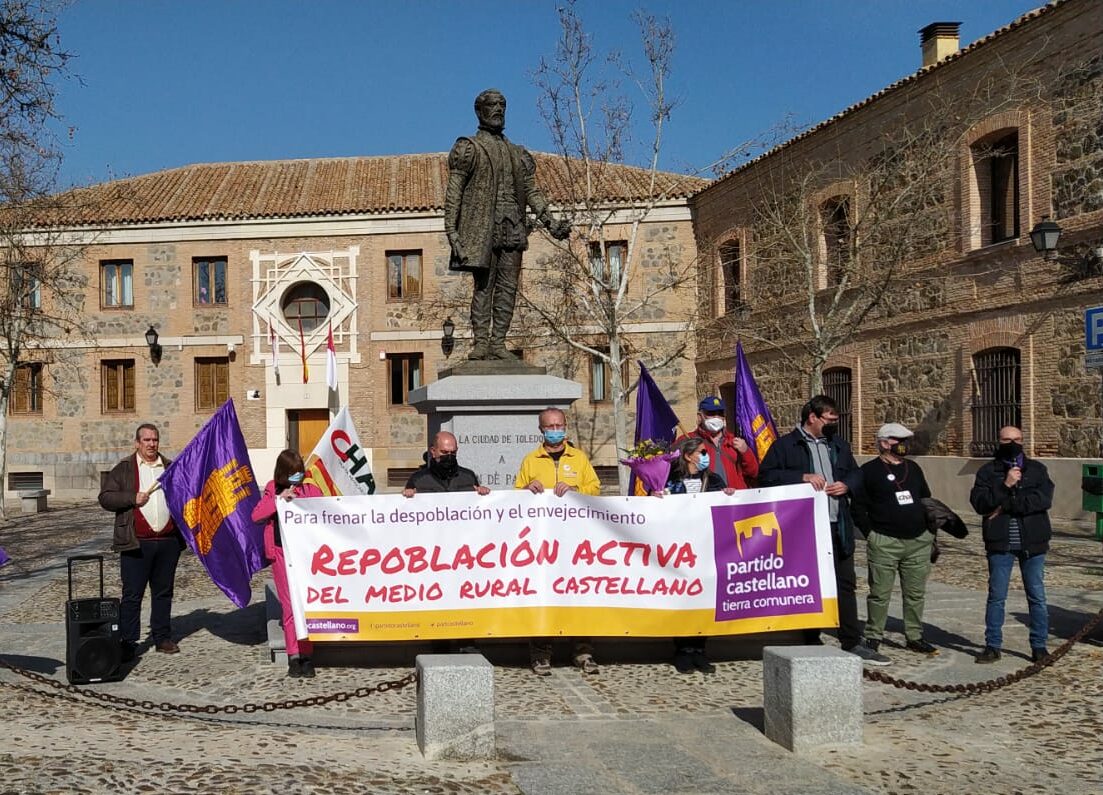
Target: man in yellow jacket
{"x":560,"y":467}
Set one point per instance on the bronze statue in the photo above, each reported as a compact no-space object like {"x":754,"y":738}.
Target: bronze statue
{"x":491,"y":181}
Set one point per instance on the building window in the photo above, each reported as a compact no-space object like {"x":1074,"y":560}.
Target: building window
{"x":601,"y":386}
{"x":26,"y":391}
{"x":212,"y":383}
{"x":403,"y":275}
{"x":996,"y":167}
{"x":117,"y":385}
{"x":835,"y":216}
{"x":838,"y":385}
{"x":731,"y":270}
{"x":997,"y":397}
{"x":305,"y":303}
{"x":404,"y":374}
{"x":607,"y":269}
{"x":26,"y":288}
{"x":209,"y":283}
{"x":116,"y":283}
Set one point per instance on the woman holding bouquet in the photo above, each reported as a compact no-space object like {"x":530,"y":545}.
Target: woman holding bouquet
{"x":690,"y":474}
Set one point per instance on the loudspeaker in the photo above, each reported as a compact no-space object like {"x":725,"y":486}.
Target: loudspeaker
{"x":93,"y":644}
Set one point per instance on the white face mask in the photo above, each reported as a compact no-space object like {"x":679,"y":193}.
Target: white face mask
{"x":714,"y":424}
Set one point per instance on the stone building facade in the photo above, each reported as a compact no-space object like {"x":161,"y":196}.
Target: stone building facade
{"x":225,"y":261}
{"x":972,"y":328}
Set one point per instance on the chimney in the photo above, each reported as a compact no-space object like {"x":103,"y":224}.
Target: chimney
{"x":938,"y":40}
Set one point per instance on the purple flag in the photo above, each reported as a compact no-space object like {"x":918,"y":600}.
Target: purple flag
{"x":751,"y":412}
{"x":211,"y":492}
{"x":4,"y":557}
{"x":655,"y":419}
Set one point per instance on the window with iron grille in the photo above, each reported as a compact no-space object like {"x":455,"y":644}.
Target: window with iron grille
{"x":24,"y":481}
{"x":838,"y":385}
{"x":997,"y":398}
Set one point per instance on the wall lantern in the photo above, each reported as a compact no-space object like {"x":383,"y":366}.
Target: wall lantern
{"x":154,"y":348}
{"x":448,"y":341}
{"x":1044,"y":236}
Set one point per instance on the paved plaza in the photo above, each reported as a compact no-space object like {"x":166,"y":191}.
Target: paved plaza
{"x":637,"y":727}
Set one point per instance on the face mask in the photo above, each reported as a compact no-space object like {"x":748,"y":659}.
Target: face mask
{"x":900,"y":449}
{"x":714,"y":424}
{"x":296,"y":478}
{"x":703,"y":462}
{"x":830,"y":430}
{"x":555,"y":438}
{"x":445,"y":465}
{"x":1009,"y":451}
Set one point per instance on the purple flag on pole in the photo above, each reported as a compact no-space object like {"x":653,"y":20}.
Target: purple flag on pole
{"x":4,"y":557}
{"x":655,"y":419}
{"x":751,"y":412}
{"x":211,"y":492}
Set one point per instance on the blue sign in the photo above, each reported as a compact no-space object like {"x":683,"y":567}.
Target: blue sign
{"x":1093,"y":329}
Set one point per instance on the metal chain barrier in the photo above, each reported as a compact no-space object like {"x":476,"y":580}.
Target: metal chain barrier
{"x":214,"y":709}
{"x":991,"y":684}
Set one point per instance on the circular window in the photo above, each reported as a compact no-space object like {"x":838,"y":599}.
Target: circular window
{"x":305,"y":303}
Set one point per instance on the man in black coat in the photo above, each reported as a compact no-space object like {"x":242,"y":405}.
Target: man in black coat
{"x":813,"y":453}
{"x":1013,"y":494}
{"x":441,"y":472}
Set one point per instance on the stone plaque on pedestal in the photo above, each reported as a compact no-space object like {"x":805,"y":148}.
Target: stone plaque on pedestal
{"x":493,"y":409}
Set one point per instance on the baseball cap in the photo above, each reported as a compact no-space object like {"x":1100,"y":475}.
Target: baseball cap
{"x":711,"y":403}
{"x":893,"y":430}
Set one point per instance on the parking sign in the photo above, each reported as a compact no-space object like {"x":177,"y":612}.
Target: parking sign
{"x":1093,"y":329}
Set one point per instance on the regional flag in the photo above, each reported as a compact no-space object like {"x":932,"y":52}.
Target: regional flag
{"x":751,"y":413}
{"x":4,"y":559}
{"x":211,"y":493}
{"x":302,"y":353}
{"x":338,"y":464}
{"x":331,"y":361}
{"x":655,"y":419}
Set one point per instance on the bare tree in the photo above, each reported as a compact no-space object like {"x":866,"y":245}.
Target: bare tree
{"x":42,"y":289}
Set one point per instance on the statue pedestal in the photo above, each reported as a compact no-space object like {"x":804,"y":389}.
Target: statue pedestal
{"x":492,"y":408}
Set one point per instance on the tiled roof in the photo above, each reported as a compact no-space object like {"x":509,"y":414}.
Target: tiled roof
{"x":321,"y":187}
{"x":1017,"y":23}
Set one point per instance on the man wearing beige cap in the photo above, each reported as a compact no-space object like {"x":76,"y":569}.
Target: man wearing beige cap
{"x":891,"y":513}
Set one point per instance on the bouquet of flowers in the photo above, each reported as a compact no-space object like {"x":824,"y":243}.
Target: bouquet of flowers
{"x":650,"y":463}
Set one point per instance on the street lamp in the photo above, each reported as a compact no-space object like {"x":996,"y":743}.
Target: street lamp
{"x":154,"y":348}
{"x":1044,"y":236}
{"x":448,"y":341}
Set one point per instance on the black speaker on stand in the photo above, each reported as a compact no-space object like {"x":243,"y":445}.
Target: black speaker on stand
{"x":93,"y":640}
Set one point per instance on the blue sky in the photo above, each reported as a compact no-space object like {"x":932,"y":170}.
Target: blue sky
{"x":164,"y":84}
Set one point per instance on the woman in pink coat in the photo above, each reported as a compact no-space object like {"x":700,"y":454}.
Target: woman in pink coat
{"x":286,"y":484}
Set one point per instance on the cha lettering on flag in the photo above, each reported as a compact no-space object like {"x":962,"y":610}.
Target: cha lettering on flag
{"x":338,"y":464}
{"x":211,"y":492}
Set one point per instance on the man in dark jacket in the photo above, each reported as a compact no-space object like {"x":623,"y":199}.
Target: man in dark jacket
{"x":441,"y":472}
{"x":812,"y":453}
{"x":1013,"y":494}
{"x":146,"y":539}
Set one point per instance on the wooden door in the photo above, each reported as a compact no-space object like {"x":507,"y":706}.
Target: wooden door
{"x":305,"y":427}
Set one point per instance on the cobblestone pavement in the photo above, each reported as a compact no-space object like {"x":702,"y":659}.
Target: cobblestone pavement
{"x":635,"y":727}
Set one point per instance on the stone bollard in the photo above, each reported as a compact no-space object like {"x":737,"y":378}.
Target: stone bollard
{"x":33,"y":500}
{"x":455,"y":706}
{"x":812,"y":696}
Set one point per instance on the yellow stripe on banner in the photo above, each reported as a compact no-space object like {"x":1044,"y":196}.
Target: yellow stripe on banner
{"x":525,"y":622}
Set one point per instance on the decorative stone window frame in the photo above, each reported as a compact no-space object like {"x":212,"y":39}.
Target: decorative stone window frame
{"x":972,"y":188}
{"x":335,"y":271}
{"x":735,"y":234}
{"x":1009,"y":333}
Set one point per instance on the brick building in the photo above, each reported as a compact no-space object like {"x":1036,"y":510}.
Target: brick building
{"x":904,"y":221}
{"x":216,"y":258}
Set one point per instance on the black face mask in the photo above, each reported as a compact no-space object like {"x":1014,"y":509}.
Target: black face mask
{"x":830,"y":430}
{"x":1009,"y":451}
{"x":900,"y":449}
{"x":445,"y":466}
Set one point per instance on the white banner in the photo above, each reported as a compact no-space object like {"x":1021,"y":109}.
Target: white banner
{"x":516,"y":564}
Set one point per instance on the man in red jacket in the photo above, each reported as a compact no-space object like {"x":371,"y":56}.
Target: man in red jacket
{"x":730,"y":456}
